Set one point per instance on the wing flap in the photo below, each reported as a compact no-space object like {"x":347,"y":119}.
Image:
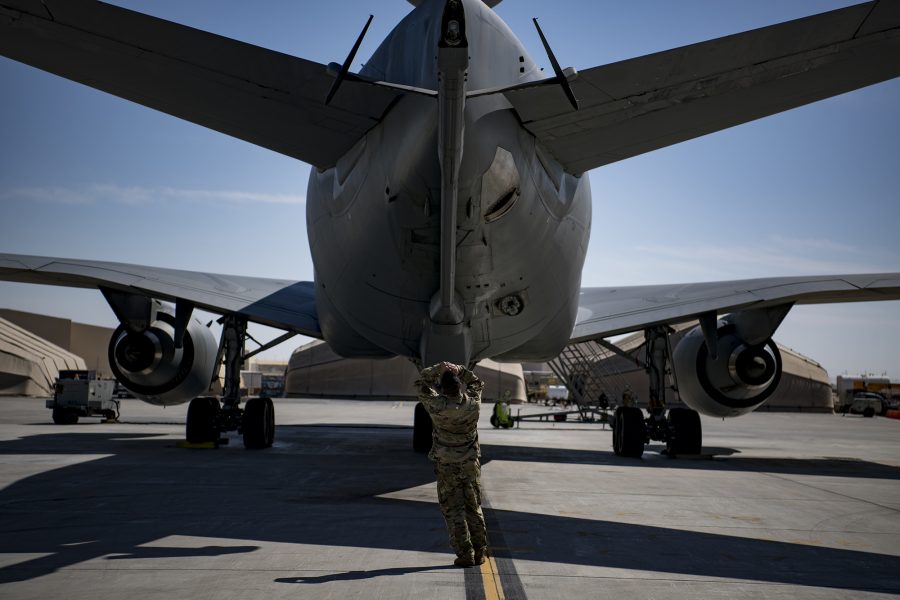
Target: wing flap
{"x":646,"y":103}
{"x":261,"y":96}
{"x":605,"y":312}
{"x":278,"y":303}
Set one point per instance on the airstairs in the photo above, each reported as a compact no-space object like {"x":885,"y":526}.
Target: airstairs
{"x":593,"y":384}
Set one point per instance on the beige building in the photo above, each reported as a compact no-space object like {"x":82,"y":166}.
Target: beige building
{"x":37,"y":346}
{"x":315,"y":370}
{"x":90,"y":342}
{"x":29,"y":364}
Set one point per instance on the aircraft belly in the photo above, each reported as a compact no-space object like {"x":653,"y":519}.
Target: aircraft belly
{"x":370,"y":235}
{"x":538,"y":254}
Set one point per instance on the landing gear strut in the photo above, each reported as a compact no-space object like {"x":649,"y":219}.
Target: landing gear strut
{"x":207,"y":420}
{"x":680,"y":429}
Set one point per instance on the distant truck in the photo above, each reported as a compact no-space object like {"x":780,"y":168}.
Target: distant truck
{"x":557,"y":394}
{"x":867,"y":404}
{"x":251,"y":383}
{"x":82,"y":394}
{"x":272,"y":386}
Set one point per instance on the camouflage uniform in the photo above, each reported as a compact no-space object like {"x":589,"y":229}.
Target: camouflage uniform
{"x":455,"y":453}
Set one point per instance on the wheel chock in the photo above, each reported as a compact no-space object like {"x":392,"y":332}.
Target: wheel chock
{"x":201,"y":445}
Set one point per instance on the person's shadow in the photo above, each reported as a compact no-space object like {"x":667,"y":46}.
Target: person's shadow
{"x":354,"y":575}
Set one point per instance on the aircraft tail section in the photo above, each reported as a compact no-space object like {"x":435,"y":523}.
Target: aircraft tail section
{"x":261,"y":96}
{"x":491,"y":3}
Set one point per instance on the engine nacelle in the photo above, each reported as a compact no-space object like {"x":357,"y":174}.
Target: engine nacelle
{"x":150,"y":366}
{"x":740,"y":379}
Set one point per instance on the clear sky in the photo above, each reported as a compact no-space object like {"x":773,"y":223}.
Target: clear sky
{"x":810,"y":191}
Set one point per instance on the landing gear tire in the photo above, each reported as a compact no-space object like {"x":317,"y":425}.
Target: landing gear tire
{"x":685,"y":432}
{"x":201,"y":421}
{"x":258,"y":424}
{"x":422,"y":427}
{"x":869,"y":412}
{"x":64,"y":416}
{"x":629,"y":432}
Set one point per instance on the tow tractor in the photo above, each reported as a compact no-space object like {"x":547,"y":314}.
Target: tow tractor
{"x":79,"y":393}
{"x":587,"y":413}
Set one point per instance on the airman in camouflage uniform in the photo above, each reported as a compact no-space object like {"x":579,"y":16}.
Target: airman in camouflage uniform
{"x":452,"y":396}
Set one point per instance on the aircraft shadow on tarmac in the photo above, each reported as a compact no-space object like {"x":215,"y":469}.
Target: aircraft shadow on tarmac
{"x":356,"y":575}
{"x":828,"y":467}
{"x":175,"y":552}
{"x":320,"y":486}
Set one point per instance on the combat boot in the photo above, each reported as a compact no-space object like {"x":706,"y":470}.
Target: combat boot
{"x":480,"y":554}
{"x":466,"y":560}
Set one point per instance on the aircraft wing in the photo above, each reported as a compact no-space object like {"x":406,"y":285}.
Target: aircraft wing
{"x":261,"y":96}
{"x":289,"y":305}
{"x":642,"y":104}
{"x":608,"y":311}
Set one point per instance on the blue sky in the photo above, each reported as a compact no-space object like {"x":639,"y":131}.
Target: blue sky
{"x":810,"y":191}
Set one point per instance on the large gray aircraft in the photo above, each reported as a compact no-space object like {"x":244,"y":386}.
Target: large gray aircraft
{"x":448,"y":212}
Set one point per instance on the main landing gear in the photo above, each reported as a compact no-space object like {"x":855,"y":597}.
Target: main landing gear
{"x":680,"y":429}
{"x":207,"y":419}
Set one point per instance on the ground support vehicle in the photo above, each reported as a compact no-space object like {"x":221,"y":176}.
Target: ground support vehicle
{"x":585,"y":415}
{"x":867,"y":404}
{"x":79,"y":393}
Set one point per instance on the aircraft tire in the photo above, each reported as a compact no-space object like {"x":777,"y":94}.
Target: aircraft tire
{"x":64,"y":416}
{"x":258,"y":425}
{"x":869,"y":412}
{"x":629,"y":432}
{"x":201,"y":421}
{"x":422,"y":428}
{"x":685,"y":432}
{"x":270,"y":439}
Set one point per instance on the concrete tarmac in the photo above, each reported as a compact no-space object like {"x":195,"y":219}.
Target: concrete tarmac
{"x":780,"y":506}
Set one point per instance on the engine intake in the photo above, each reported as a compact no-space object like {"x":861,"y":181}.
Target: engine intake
{"x":739,"y":380}
{"x":150,"y":366}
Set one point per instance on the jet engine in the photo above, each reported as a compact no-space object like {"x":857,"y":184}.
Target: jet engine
{"x":151,"y":366}
{"x":735,"y":379}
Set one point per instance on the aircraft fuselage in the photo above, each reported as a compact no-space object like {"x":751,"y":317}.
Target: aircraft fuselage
{"x":522,"y":222}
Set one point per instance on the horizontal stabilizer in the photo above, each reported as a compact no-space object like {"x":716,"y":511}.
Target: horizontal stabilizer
{"x":642,"y":104}
{"x":261,"y":96}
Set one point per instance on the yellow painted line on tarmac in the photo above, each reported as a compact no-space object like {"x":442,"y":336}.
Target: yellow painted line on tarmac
{"x":490,"y":578}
